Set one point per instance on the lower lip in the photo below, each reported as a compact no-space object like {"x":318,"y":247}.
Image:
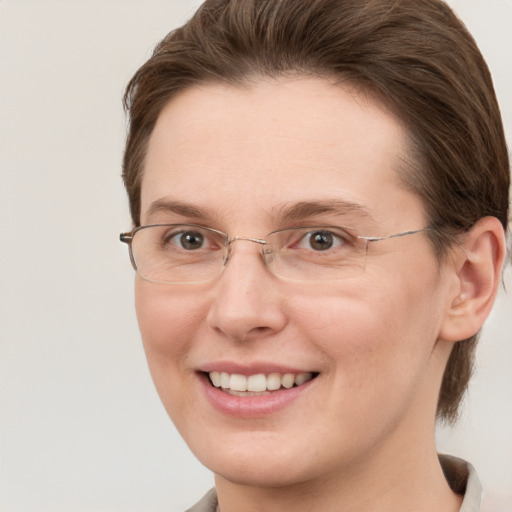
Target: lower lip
{"x":251,"y":406}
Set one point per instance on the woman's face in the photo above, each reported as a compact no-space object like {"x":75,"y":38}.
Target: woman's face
{"x":248,"y":161}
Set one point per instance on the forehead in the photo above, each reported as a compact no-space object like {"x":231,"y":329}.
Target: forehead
{"x":275,"y":141}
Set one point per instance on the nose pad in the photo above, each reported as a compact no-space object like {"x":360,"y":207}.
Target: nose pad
{"x":227,"y":256}
{"x":267,"y":254}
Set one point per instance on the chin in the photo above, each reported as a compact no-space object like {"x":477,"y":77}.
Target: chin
{"x":258,"y":473}
{"x":255,"y":460}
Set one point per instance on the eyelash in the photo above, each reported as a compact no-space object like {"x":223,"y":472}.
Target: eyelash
{"x":332,"y":239}
{"x":300,"y":238}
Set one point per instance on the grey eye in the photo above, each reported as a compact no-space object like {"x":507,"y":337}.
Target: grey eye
{"x":190,"y":240}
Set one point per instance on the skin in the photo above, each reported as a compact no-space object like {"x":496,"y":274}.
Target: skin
{"x":377,"y":339}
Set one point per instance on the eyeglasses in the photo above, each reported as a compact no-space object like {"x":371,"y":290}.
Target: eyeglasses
{"x":189,"y":253}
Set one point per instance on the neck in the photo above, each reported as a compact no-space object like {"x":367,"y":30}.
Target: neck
{"x":400,"y":485}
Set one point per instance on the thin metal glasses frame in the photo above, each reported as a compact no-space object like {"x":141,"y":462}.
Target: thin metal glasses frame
{"x":127,"y":237}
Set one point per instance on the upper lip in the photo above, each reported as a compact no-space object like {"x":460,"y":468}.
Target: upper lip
{"x":251,"y":368}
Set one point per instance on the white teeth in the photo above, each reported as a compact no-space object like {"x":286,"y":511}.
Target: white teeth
{"x":215,"y":377}
{"x":258,"y":383}
{"x":287,"y":380}
{"x":302,"y":377}
{"x":238,"y":382}
{"x":224,"y":380}
{"x":273,"y":381}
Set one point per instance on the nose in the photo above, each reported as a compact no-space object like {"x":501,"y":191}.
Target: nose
{"x":248,"y":303}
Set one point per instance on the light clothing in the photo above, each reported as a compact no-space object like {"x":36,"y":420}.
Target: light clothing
{"x":460,"y":475}
{"x":207,"y":504}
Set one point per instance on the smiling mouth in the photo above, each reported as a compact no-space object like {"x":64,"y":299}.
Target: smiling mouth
{"x":258,"y":384}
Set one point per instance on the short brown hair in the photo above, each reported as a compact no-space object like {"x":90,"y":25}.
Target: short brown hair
{"x":415,"y":55}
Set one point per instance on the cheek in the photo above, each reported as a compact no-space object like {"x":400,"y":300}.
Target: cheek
{"x":166,"y":317}
{"x":374,"y":332}
{"x":168,"y":321}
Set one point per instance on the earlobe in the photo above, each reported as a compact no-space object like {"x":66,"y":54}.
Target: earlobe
{"x":478,"y":273}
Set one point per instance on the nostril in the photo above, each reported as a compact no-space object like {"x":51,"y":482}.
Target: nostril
{"x":259,"y":330}
{"x":256,"y":333}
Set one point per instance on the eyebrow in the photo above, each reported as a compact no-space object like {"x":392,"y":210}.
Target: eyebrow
{"x":283,"y":213}
{"x":305,"y":209}
{"x":177,"y":207}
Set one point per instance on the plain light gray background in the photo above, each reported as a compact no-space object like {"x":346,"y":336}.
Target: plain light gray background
{"x":81,"y":427}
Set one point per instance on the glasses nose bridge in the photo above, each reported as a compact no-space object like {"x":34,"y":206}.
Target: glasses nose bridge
{"x":259,"y":241}
{"x":229,"y":245}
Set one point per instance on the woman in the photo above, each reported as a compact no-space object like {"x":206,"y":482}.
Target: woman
{"x":319,"y":193}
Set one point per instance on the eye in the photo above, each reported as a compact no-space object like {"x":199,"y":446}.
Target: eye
{"x":188,"y":240}
{"x":321,"y":240}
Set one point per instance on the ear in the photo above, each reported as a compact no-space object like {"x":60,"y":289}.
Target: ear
{"x":478,"y":267}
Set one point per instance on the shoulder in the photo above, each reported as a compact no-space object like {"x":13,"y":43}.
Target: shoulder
{"x":462,"y":478}
{"x":208,"y":503}
{"x":460,"y":475}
